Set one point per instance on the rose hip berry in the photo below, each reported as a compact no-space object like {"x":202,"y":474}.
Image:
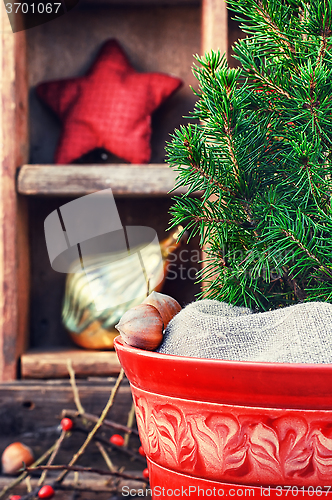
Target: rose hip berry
{"x":141,"y":451}
{"x":146,"y":473}
{"x":117,"y":440}
{"x":46,"y":491}
{"x":15,"y":497}
{"x":67,"y":424}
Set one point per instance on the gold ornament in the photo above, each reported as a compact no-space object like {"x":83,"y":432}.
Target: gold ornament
{"x":118,"y":286}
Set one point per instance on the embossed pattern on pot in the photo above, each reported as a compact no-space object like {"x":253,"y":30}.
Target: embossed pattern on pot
{"x":258,"y":446}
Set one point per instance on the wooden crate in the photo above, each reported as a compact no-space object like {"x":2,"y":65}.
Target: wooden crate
{"x":158,"y":35}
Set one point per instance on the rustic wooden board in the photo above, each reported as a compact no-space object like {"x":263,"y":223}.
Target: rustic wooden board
{"x":14,"y":254}
{"x":33,"y":406}
{"x":30,"y":412}
{"x":78,"y":180}
{"x":214,"y":26}
{"x":100,"y":487}
{"x":42,"y":364}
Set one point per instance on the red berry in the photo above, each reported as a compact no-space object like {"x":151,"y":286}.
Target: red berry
{"x":141,"y":451}
{"x":15,"y":497}
{"x":146,"y":473}
{"x":117,"y":439}
{"x":46,"y":491}
{"x":67,"y":424}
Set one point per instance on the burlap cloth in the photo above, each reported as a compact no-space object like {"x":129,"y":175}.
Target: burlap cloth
{"x":210,"y":329}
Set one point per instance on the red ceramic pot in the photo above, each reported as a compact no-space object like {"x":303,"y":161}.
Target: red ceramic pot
{"x":220,"y":426}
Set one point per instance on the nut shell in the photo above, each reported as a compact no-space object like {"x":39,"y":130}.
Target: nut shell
{"x":166,"y":305}
{"x":14,"y":455}
{"x":142,"y":326}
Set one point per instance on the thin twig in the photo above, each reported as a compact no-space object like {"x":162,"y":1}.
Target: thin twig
{"x":24,"y":474}
{"x":96,"y":427}
{"x":121,"y":449}
{"x":74,"y":387}
{"x":28,"y":483}
{"x":52,"y":457}
{"x":94,"y":418}
{"x":70,"y":468}
{"x":130,"y":423}
{"x":105,"y":456}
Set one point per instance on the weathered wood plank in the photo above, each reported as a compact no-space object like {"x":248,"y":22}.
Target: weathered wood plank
{"x":22,"y":222}
{"x":76,"y":180}
{"x":30,"y":412}
{"x":214,"y":26}
{"x":99,"y":486}
{"x":41,"y":364}
{"x":35,"y":406}
{"x":13,"y":138}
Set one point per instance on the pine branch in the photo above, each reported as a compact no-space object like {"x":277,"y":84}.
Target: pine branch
{"x":265,"y":147}
{"x":212,"y":220}
{"x":326,"y":32}
{"x":307,"y":252}
{"x":198,"y":169}
{"x":275,"y":30}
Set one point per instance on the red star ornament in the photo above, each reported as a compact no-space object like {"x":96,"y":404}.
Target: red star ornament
{"x":110,"y":107}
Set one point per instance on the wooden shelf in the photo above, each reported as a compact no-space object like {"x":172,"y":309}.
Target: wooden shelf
{"x":155,"y":39}
{"x":52,"y":364}
{"x":78,"y":180}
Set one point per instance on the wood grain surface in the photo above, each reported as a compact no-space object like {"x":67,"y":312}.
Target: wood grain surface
{"x":30,"y":412}
{"x":214,"y":26}
{"x":48,"y":364}
{"x":14,"y":254}
{"x":78,"y":180}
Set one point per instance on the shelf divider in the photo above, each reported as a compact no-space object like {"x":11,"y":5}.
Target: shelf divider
{"x":78,"y":180}
{"x":50,"y":364}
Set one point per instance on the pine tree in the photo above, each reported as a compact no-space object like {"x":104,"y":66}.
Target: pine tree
{"x":261,"y":156}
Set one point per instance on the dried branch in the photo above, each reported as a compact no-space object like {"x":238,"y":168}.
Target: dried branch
{"x":105,"y":456}
{"x":130,"y":423}
{"x":28,"y":484}
{"x":94,"y":418}
{"x":95,"y":429}
{"x":108,"y":444}
{"x":52,"y":457}
{"x":74,"y":387}
{"x":77,"y":468}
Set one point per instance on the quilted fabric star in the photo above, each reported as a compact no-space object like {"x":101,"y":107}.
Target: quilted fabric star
{"x":110,"y":107}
